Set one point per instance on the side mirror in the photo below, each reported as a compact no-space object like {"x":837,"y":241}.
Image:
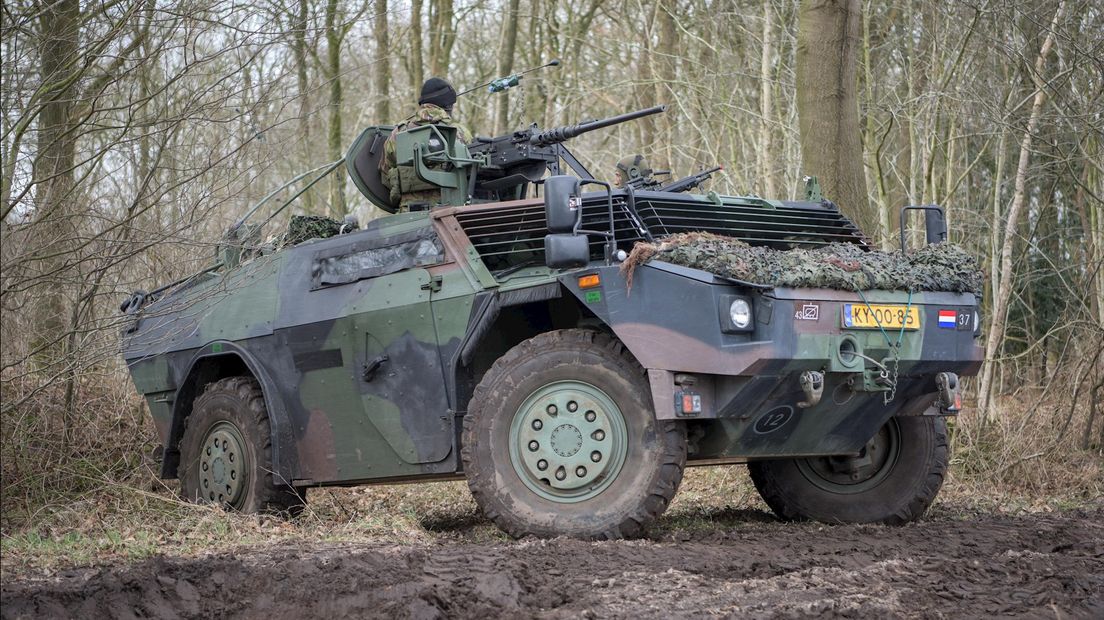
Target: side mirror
{"x":935,"y":223}
{"x":935,"y":226}
{"x":562,"y":204}
{"x":566,"y":251}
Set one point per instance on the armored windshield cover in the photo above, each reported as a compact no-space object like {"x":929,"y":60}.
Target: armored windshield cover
{"x":376,"y":257}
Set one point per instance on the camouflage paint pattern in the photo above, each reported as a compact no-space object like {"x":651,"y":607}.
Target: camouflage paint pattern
{"x":309,"y":346}
{"x":669,"y":319}
{"x":367,"y":373}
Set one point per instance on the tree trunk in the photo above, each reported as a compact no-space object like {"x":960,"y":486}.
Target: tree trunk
{"x":335,"y":33}
{"x":299,"y":52}
{"x":998,"y":321}
{"x":664,"y":59}
{"x":766,"y":154}
{"x":417,"y":64}
{"x":536,"y":95}
{"x":506,"y":45}
{"x":442,"y":35}
{"x":645,"y":91}
{"x":1089,"y":249}
{"x":53,"y":176}
{"x":382,"y":78}
{"x":56,"y":154}
{"x":827,"y":103}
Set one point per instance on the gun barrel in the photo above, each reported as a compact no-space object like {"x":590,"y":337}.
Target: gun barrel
{"x":691,"y":181}
{"x":560,"y":134}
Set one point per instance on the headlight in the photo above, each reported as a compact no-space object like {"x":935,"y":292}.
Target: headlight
{"x":734,"y":314}
{"x":740,"y":313}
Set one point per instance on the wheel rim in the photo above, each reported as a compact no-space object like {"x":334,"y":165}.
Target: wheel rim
{"x":223,"y":465}
{"x":847,"y":475}
{"x":567,"y":441}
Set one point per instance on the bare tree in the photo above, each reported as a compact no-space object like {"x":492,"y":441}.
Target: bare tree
{"x":827,"y":101}
{"x":998,"y":320}
{"x":382,"y":66}
{"x":765,"y":151}
{"x":506,"y":46}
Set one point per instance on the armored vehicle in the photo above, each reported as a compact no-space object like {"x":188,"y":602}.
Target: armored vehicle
{"x":495,"y":337}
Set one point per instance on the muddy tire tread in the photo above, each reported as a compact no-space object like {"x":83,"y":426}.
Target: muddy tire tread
{"x":671,"y":469}
{"x":771,"y":489}
{"x":275,"y":498}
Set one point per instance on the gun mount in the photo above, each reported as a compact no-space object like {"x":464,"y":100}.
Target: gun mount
{"x":487,"y":169}
{"x":514,"y":160}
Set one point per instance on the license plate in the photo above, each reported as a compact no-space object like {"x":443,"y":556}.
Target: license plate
{"x":862,"y":316}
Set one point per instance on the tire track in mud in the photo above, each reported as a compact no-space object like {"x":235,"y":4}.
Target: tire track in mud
{"x":1035,"y":566}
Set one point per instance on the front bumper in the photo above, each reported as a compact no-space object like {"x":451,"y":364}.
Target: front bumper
{"x":751,"y":383}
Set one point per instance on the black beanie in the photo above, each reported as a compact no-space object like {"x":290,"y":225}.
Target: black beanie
{"x":438,"y":92}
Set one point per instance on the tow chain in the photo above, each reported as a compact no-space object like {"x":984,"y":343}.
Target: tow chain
{"x":895,"y":349}
{"x":888,"y":397}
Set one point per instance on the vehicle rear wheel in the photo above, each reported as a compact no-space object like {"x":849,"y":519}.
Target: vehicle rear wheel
{"x":893,"y":480}
{"x":226,"y":451}
{"x":561,"y":438}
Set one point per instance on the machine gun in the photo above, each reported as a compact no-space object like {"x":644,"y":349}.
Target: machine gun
{"x":514,"y":160}
{"x":690,"y":182}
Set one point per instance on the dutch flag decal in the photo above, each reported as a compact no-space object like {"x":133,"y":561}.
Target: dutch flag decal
{"x":947,"y":318}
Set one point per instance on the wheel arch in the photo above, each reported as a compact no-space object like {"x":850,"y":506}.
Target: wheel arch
{"x":501,"y":320}
{"x":215,"y":361}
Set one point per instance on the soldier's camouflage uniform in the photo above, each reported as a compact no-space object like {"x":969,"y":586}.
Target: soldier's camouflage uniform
{"x":394,"y":178}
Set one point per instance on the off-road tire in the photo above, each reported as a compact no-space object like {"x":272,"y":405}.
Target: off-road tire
{"x":901,"y":496}
{"x":239,"y":402}
{"x":655,"y":452}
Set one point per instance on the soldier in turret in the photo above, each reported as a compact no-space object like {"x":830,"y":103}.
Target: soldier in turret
{"x":434,"y":107}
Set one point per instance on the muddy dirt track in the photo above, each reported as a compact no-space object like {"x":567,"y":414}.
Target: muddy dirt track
{"x":1044,"y":566}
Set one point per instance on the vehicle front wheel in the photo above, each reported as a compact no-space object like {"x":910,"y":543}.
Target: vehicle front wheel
{"x":226,"y":451}
{"x":561,"y":438}
{"x":893,"y":480}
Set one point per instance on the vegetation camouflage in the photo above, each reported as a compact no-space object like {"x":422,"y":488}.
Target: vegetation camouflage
{"x":305,"y":227}
{"x":840,"y":266}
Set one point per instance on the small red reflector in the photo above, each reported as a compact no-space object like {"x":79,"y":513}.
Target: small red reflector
{"x":691,"y":403}
{"x":590,"y":281}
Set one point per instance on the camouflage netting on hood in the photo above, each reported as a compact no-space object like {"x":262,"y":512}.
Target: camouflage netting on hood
{"x":841,"y":266}
{"x":304,"y":227}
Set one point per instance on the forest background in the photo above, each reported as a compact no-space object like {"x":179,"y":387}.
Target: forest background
{"x":135,"y":133}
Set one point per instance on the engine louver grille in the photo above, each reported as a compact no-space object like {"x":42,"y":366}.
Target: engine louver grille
{"x":783,"y":227}
{"x":509,"y":236}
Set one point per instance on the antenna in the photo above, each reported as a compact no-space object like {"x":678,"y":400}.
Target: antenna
{"x":503,"y":83}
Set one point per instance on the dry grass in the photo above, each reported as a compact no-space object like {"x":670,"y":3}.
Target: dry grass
{"x":102,"y":501}
{"x":1030,"y":451}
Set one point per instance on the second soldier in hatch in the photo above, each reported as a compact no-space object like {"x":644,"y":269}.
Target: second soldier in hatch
{"x":434,"y":107}
{"x":633,"y":170}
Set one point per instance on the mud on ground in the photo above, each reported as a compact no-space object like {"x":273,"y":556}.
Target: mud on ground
{"x":1049,"y":565}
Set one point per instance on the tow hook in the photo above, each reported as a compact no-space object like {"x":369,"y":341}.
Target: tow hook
{"x":950,"y":399}
{"x":812,"y":383}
